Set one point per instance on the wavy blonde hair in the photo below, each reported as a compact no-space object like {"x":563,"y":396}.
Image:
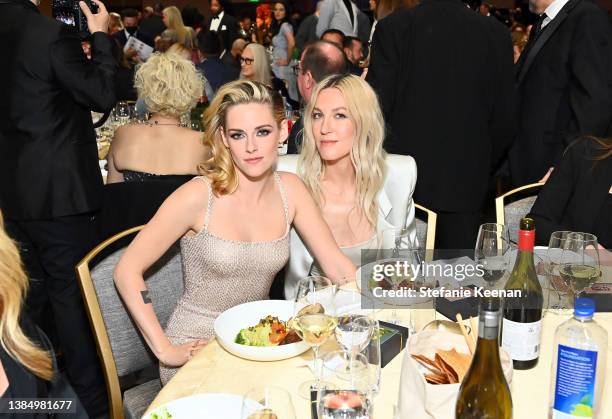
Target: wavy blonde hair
{"x":219,"y":168}
{"x":367,"y":154}
{"x":262,"y":71}
{"x":175,"y":22}
{"x":13,"y":288}
{"x":169,"y":84}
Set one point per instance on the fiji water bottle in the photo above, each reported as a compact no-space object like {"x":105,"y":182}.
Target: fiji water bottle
{"x":579,"y":365}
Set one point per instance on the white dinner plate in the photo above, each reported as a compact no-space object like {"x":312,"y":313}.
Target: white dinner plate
{"x":231,"y":321}
{"x":202,"y":406}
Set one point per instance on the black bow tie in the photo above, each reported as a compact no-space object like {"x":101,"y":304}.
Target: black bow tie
{"x":215,"y":17}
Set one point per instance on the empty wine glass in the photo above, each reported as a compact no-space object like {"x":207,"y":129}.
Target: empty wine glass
{"x":314,"y":321}
{"x":123,"y":113}
{"x":267,"y":402}
{"x":492,"y":251}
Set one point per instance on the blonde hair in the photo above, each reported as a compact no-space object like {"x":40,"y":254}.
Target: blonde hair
{"x":175,"y":22}
{"x":114,"y":23}
{"x":219,"y":168}
{"x":367,"y":154}
{"x":13,"y":287}
{"x":169,"y":84}
{"x":262,"y":72}
{"x":180,"y":50}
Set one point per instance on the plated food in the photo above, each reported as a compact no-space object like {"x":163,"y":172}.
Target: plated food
{"x":261,"y":326}
{"x":270,"y":331}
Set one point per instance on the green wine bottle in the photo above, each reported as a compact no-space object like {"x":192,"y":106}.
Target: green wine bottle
{"x":484,"y":392}
{"x":522,"y":322}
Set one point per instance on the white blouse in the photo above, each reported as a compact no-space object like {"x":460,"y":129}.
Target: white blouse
{"x":396,"y":210}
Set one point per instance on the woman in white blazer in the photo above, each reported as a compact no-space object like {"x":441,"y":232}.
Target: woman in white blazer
{"x":360,"y":189}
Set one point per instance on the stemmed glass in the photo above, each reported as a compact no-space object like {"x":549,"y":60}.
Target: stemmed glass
{"x":123,"y":113}
{"x":314,"y":321}
{"x":579,"y":267}
{"x":267,"y":402}
{"x":552,"y":261}
{"x":492,"y":251}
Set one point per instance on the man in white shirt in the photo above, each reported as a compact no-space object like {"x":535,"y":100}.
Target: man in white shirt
{"x":223,"y":23}
{"x":564,"y":81}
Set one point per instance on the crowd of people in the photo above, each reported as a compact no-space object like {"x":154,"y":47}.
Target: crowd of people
{"x":432,"y":87}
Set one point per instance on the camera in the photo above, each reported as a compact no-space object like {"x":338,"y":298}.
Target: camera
{"x":69,"y":13}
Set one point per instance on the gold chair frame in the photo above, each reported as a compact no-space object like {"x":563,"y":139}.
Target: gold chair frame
{"x":432,"y":218}
{"x":499,"y":201}
{"x":97,"y":323}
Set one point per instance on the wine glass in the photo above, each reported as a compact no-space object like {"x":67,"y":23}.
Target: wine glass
{"x":314,"y":321}
{"x":552,"y":261}
{"x":347,"y":396}
{"x":579,"y":265}
{"x":123,"y":113}
{"x":267,"y":402}
{"x":491,"y":251}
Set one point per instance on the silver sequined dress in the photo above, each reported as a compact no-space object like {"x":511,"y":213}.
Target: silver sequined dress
{"x":220,"y":274}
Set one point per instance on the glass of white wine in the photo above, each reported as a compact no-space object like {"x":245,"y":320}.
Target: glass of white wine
{"x":579,"y":266}
{"x":267,"y":403}
{"x":492,"y":251}
{"x":314,"y":321}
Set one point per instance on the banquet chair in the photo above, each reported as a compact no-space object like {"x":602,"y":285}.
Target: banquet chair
{"x":510,"y":214}
{"x":122,"y":349}
{"x":426,"y":230}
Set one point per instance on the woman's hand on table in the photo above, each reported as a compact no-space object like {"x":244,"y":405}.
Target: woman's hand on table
{"x":178,"y":355}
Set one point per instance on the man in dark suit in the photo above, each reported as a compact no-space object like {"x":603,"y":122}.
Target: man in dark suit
{"x":154,"y":24}
{"x":223,"y":23}
{"x":444,"y":77}
{"x":50,"y":181}
{"x":564,"y":79}
{"x":211,"y":66}
{"x":129,"y":17}
{"x":319,"y":60}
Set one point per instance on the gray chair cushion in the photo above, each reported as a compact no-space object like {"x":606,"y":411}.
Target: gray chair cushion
{"x":421,"y":231}
{"x":513,"y":213}
{"x":137,"y":399}
{"x":165,"y":284}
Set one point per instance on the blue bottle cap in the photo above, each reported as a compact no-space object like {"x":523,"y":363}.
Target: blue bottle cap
{"x":584,"y":307}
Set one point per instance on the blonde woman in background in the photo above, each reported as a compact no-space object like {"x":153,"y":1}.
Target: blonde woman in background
{"x":170,"y":87}
{"x":27,"y":363}
{"x":233,"y":224}
{"x":173,"y":20}
{"x":255,"y":66}
{"x":360,"y":189}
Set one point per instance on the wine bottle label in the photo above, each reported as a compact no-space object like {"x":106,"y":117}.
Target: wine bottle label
{"x":575,"y":383}
{"x":521,"y":340}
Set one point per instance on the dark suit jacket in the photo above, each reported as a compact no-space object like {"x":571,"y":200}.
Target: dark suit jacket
{"x":141,"y":35}
{"x":565,"y":88}
{"x":229,"y":34}
{"x":307,"y":32}
{"x":48,"y":155}
{"x":217,"y":73}
{"x":152,"y":26}
{"x":444,"y":77}
{"x":577,"y":196}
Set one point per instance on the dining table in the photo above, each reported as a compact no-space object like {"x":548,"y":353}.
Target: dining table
{"x":214,"y":370}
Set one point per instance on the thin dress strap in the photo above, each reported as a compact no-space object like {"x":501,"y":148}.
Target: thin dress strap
{"x":210,"y":199}
{"x":283,"y":196}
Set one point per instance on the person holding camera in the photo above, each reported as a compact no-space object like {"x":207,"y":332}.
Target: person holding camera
{"x":50,"y":181}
